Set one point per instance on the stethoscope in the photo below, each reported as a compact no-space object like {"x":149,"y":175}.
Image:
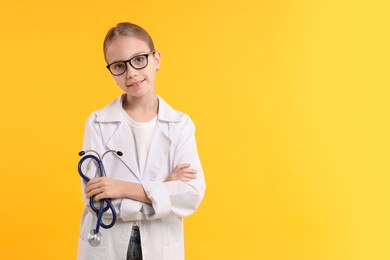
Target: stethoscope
{"x":94,"y":236}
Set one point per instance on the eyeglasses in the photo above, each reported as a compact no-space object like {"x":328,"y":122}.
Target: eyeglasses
{"x":137,"y":62}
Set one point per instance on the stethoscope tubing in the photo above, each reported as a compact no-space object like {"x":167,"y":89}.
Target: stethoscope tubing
{"x":102,"y":209}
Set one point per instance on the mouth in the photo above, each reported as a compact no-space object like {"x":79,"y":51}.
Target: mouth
{"x":135,"y":84}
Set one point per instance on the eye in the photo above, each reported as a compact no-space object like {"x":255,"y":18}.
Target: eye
{"x":139,"y":59}
{"x":118,"y":66}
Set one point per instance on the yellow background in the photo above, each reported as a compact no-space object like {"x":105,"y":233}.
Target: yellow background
{"x":290,"y":100}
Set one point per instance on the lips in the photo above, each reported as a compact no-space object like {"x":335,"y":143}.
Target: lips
{"x":135,"y":83}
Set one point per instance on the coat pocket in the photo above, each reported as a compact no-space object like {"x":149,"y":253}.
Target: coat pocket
{"x":174,"y":252}
{"x":88,"y":252}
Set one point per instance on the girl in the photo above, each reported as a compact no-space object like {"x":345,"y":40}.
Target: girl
{"x":159,"y":179}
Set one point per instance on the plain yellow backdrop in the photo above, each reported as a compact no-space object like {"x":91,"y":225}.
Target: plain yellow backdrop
{"x":290,"y":100}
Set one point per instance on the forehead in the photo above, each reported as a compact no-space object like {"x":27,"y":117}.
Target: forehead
{"x":124,"y":48}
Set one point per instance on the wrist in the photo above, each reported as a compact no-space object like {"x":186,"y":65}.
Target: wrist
{"x":126,"y":190}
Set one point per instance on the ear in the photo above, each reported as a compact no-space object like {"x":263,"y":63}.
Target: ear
{"x":157,"y":58}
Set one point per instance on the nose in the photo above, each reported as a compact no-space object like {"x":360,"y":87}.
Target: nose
{"x":130,"y":71}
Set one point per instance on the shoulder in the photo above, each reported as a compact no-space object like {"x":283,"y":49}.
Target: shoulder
{"x":110,"y":113}
{"x":176,"y":124}
{"x":172,"y":116}
{"x":167,"y":113}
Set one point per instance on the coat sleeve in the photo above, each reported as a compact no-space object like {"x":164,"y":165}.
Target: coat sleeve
{"x":93,"y":141}
{"x":180,"y":198}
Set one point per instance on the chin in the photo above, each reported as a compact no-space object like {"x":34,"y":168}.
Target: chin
{"x":139,"y":93}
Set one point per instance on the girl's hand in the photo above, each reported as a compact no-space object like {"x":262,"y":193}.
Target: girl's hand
{"x":182,"y":172}
{"x":104,"y":187}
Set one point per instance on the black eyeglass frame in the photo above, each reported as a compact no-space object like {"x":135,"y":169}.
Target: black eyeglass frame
{"x":146,"y":55}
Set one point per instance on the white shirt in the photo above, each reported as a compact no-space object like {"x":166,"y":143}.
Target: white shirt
{"x":142,"y":133}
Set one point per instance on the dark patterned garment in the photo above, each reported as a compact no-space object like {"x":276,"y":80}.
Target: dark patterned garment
{"x":134,"y":251}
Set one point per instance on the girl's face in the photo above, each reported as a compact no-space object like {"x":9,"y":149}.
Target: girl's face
{"x":134,"y":82}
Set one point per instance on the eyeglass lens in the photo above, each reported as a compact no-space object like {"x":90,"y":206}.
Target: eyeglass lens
{"x":137,"y":62}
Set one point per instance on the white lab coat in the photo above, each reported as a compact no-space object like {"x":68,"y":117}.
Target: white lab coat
{"x":161,"y":224}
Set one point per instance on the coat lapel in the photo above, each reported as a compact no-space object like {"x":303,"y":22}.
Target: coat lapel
{"x":123,"y":140}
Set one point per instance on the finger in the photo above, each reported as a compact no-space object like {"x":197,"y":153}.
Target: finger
{"x":189,"y":170}
{"x":183,"y":165}
{"x":92,"y":186}
{"x":185,"y":176}
{"x":94,"y":192}
{"x":99,"y":197}
{"x":97,"y":180}
{"x":103,"y":195}
{"x":93,"y":181}
{"x":190,"y":176}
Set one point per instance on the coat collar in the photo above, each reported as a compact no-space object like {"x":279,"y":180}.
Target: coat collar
{"x":112,"y":112}
{"x":119,"y":137}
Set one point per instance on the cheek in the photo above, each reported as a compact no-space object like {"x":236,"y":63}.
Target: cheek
{"x":118,"y":80}
{"x":151,"y":74}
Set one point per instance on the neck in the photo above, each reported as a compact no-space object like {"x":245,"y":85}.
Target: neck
{"x":141,"y":109}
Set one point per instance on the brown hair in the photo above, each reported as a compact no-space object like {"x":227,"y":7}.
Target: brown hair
{"x":130,"y":30}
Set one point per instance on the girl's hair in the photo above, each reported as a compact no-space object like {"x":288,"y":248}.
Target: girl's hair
{"x":130,"y":30}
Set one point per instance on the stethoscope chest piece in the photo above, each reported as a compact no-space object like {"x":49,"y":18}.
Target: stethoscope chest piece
{"x":94,"y":238}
